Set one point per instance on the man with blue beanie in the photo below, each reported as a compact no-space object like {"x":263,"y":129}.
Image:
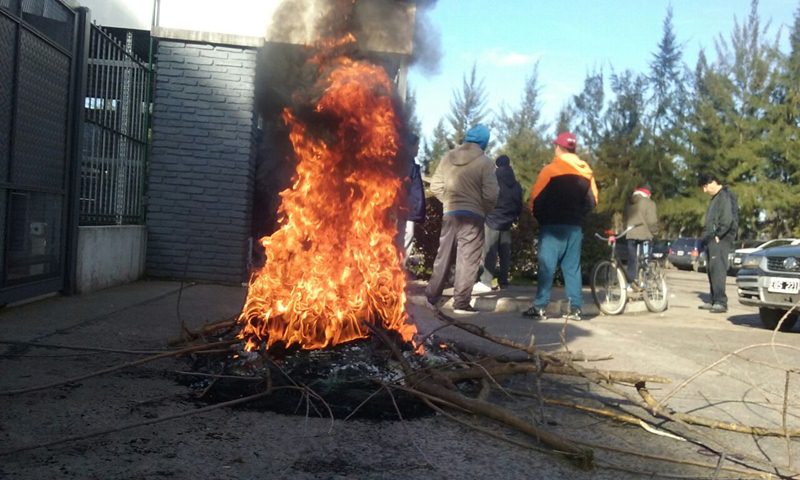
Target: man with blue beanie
{"x":466,"y":184}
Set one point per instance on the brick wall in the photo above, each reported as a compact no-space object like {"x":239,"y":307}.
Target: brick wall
{"x":200,"y":179}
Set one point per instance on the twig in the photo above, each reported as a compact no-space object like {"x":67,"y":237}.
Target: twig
{"x":481,"y":332}
{"x":205,"y":330}
{"x":82,"y":348}
{"x":581,"y":457}
{"x":486,"y":431}
{"x":118,"y":367}
{"x":76,"y":438}
{"x":783,"y":420}
{"x":720,"y":360}
{"x":658,"y":409}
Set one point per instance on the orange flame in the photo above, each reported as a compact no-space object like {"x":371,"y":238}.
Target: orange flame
{"x":333,"y":265}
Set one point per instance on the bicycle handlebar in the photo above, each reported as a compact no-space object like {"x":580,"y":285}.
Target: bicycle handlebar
{"x":614,"y":237}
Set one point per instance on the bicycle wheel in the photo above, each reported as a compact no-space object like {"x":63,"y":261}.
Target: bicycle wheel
{"x":656,"y":296}
{"x":608,"y":288}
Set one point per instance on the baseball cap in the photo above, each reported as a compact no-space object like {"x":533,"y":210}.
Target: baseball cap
{"x":566,"y":140}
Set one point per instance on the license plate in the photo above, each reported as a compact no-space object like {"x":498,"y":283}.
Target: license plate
{"x":680,"y":253}
{"x":737,"y":260}
{"x":784,"y":285}
{"x":658,"y":255}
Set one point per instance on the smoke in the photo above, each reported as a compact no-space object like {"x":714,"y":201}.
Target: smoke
{"x":427,"y":54}
{"x":383,"y":26}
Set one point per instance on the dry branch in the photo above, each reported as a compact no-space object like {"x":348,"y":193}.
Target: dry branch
{"x":582,"y":457}
{"x":204,"y":331}
{"x":660,"y":410}
{"x":118,"y":367}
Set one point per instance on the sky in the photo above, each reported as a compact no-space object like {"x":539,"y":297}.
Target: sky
{"x":568,"y":39}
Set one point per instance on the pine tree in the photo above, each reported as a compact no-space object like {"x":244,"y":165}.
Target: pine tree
{"x":434,"y":151}
{"x":520,"y":133}
{"x":783,"y":151}
{"x":588,"y":110}
{"x":667,"y":106}
{"x":730,"y":122}
{"x":468,"y":106}
{"x":620,"y":157}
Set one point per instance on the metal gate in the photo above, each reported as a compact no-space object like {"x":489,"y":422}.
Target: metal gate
{"x":115,"y":143}
{"x":38,"y":81}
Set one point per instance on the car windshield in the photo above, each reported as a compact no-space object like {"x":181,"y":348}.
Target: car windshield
{"x":780,"y":242}
{"x":684,"y":244}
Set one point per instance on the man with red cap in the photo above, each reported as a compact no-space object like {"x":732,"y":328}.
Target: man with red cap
{"x":640,"y":214}
{"x":564,"y":192}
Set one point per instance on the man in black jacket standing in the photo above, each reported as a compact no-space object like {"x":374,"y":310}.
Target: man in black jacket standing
{"x":719,"y":233}
{"x":498,"y":227}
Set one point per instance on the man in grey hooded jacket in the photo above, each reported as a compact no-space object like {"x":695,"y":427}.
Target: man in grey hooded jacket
{"x":466,"y":184}
{"x":641,"y":214}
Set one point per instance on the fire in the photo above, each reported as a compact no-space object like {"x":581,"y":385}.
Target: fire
{"x":333,"y":265}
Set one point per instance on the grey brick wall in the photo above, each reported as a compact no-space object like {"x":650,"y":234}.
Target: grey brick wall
{"x":200,"y":181}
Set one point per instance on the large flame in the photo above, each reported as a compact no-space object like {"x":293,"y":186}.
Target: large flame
{"x":333,"y":264}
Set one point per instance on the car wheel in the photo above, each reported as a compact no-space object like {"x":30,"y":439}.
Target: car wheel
{"x":770,"y":318}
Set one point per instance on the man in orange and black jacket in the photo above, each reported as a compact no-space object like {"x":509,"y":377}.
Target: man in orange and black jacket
{"x":564,"y":192}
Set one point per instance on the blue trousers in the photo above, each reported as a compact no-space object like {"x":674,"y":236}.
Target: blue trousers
{"x":559,"y":245}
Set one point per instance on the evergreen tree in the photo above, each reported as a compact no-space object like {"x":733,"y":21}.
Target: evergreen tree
{"x":468,"y":106}
{"x":783,"y":154}
{"x":730,"y":122}
{"x":434,"y":151}
{"x":667,"y":106}
{"x":520,"y":133}
{"x":621,"y":157}
{"x":565,"y":118}
{"x":588,"y":110}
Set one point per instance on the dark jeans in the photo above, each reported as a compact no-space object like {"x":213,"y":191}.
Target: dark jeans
{"x":497,"y":245}
{"x":461,"y":240}
{"x":717,"y":269}
{"x":634,"y":249}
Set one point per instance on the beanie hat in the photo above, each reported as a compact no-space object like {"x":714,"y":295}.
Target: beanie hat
{"x":566,"y":140}
{"x":644,"y":188}
{"x":478,"y":134}
{"x":502,"y":161}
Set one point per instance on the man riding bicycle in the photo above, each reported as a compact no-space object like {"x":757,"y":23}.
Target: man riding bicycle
{"x":641,"y":215}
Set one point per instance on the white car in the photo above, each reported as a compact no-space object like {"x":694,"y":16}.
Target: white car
{"x":770,"y":280}
{"x":737,"y":257}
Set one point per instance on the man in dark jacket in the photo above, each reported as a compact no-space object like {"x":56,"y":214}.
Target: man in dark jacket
{"x":719,"y":233}
{"x":641,"y":214}
{"x":564,"y":192}
{"x":498,"y":227}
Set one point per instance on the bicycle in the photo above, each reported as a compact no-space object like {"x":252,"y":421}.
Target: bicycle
{"x":609,"y":285}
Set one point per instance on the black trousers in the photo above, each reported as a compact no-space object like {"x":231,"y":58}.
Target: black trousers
{"x":717,"y":269}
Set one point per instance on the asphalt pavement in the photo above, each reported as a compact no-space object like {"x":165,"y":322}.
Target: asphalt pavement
{"x":723,"y":366}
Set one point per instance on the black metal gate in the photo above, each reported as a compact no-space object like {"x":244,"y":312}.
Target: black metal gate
{"x":39,"y":72}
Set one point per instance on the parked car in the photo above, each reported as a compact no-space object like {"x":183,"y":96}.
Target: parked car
{"x":739,"y":254}
{"x":770,"y":280}
{"x":686,"y":253}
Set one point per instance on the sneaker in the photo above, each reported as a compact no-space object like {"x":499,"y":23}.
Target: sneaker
{"x":705,"y":306}
{"x":468,"y":310}
{"x":535,"y":313}
{"x":481,"y":287}
{"x":718,"y":308}
{"x":574,"y":314}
